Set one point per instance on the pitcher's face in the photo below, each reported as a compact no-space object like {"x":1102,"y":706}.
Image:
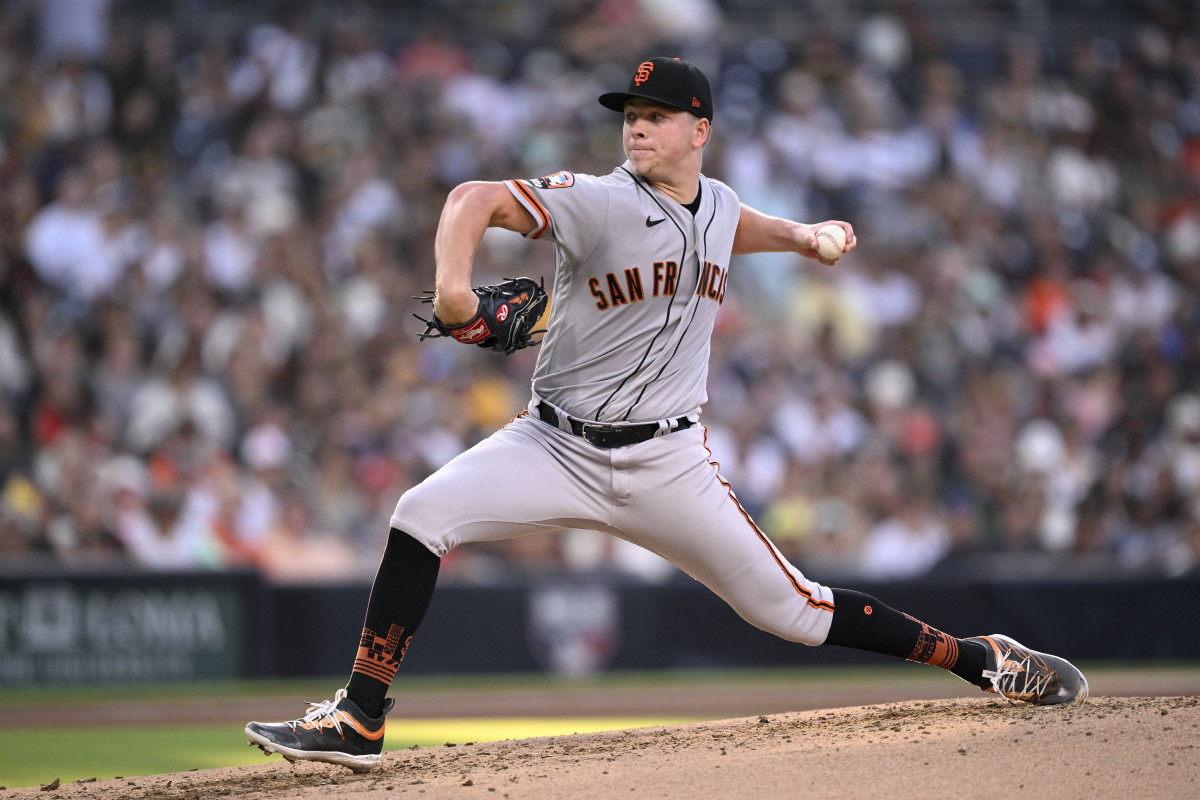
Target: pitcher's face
{"x":659,"y":140}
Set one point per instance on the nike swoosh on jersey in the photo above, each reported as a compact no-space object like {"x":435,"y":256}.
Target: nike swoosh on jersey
{"x":650,"y":223}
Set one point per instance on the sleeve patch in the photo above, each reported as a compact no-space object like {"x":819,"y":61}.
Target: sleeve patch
{"x":559,"y":180}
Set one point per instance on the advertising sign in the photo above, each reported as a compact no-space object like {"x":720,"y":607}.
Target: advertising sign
{"x":131,"y":630}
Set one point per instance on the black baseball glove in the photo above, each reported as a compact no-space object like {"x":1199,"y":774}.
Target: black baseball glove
{"x":504,"y":323}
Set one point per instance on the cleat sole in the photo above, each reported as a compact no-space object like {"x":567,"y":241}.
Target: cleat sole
{"x":357,"y":764}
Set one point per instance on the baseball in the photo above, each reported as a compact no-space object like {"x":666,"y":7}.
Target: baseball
{"x":831,"y":239}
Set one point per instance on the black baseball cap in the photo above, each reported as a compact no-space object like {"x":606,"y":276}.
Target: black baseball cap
{"x":671,"y":82}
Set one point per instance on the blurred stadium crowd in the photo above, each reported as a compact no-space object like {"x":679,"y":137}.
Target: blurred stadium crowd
{"x":214,"y":215}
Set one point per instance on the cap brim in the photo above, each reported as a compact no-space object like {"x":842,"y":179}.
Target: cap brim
{"x":616,"y":101}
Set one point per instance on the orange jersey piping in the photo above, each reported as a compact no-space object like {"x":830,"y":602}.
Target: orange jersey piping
{"x":540,"y":209}
{"x":822,"y":605}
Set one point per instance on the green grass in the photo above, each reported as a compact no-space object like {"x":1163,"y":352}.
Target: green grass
{"x":36,"y":756}
{"x":39,"y":755}
{"x":33,"y":755}
{"x":324,"y":687}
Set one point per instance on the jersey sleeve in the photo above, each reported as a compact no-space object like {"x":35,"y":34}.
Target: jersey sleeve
{"x":568,"y":209}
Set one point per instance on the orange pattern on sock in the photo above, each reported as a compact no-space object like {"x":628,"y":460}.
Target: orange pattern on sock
{"x":377,"y":657}
{"x":934,"y":647}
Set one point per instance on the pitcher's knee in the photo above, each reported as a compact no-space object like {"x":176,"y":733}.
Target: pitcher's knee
{"x":804,"y":635}
{"x":810,"y":626}
{"x":418,"y":516}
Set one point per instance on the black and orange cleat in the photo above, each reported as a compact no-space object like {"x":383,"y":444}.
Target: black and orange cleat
{"x":1018,"y":673}
{"x":335,"y":731}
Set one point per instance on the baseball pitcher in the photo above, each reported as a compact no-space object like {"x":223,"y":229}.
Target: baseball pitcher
{"x":612,"y":436}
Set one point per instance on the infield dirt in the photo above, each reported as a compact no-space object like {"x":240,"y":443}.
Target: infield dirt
{"x":1112,"y":747}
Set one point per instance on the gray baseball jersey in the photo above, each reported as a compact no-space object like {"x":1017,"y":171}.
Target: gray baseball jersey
{"x":638,"y":282}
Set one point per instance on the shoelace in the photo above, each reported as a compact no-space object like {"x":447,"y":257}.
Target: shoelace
{"x":1035,"y":683}
{"x":323,"y":709}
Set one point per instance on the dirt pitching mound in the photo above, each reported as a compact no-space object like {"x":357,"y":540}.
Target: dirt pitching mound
{"x":1110,"y":748}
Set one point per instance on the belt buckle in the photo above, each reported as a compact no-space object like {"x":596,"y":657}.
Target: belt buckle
{"x":598,"y":435}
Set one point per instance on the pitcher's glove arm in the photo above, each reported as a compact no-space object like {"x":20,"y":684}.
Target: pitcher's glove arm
{"x":505,"y":319}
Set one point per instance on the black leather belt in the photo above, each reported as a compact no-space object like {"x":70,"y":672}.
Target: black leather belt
{"x":609,"y":436}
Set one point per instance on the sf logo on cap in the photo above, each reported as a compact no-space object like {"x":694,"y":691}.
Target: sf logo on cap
{"x":643,"y":73}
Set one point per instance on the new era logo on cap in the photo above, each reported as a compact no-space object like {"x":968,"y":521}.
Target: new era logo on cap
{"x":672,"y":82}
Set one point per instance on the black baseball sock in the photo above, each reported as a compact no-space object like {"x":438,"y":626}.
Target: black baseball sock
{"x":399,"y":599}
{"x":862,"y":622}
